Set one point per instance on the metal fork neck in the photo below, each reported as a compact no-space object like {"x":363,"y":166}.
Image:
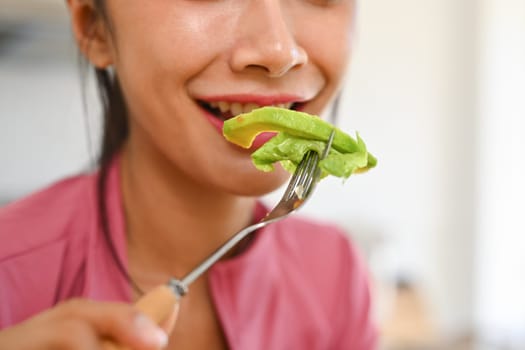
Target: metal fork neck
{"x":178,"y":287}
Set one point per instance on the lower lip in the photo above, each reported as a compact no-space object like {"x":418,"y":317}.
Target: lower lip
{"x":260,"y":139}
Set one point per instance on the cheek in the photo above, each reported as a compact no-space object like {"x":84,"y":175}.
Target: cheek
{"x":163,"y":40}
{"x":160,"y":47}
{"x":328,"y":40}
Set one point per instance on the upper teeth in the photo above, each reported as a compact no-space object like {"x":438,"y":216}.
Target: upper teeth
{"x":236,"y":108}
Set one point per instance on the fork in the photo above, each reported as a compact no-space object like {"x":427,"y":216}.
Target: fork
{"x":159,"y":302}
{"x":300,"y":187}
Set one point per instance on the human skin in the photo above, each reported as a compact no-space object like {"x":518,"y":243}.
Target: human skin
{"x":185,"y":188}
{"x":82,"y":325}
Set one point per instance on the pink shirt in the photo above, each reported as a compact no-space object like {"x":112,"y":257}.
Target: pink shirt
{"x":300,"y":285}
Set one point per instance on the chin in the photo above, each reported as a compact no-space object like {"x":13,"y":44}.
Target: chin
{"x":260,"y":183}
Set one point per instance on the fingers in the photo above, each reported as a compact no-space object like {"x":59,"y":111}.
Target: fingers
{"x":121,"y":323}
{"x":88,"y":325}
{"x":50,"y":330}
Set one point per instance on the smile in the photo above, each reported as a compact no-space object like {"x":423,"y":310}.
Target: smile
{"x":218,"y":109}
{"x":225,"y":110}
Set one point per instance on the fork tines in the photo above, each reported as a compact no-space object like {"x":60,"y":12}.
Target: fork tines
{"x":303,"y":177}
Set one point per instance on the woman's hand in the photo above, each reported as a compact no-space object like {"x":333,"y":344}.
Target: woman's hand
{"x":87,"y":325}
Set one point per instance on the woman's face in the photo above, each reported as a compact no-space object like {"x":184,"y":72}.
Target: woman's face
{"x":186,"y":65}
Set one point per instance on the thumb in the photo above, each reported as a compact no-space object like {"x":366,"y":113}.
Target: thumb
{"x":161,"y":305}
{"x":169,"y":323}
{"x":157,"y":307}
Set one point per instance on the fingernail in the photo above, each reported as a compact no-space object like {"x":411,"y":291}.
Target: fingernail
{"x":150,"y":332}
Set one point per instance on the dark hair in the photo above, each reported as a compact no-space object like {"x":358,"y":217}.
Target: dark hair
{"x":115,"y":130}
{"x":115,"y":114}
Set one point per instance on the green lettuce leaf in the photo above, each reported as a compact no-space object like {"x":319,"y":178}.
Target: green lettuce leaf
{"x":289,"y":150}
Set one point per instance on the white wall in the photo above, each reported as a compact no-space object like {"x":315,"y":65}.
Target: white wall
{"x":39,"y":141}
{"x":500,"y":272}
{"x":42,"y":119}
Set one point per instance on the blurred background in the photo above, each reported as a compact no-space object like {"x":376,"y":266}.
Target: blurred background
{"x":436,"y":89}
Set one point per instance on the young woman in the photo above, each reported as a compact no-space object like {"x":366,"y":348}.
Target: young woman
{"x":170,"y":189}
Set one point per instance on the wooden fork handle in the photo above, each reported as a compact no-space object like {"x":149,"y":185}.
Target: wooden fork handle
{"x":158,"y":304}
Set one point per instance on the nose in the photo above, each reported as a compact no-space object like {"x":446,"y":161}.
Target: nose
{"x":265,"y":41}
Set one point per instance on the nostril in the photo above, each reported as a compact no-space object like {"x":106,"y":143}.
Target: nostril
{"x":272,"y":59}
{"x":279,"y":71}
{"x":275,"y":68}
{"x":270,"y":71}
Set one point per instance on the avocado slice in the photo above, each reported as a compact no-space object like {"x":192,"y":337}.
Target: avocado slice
{"x":298,"y":133}
{"x":243,"y":129}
